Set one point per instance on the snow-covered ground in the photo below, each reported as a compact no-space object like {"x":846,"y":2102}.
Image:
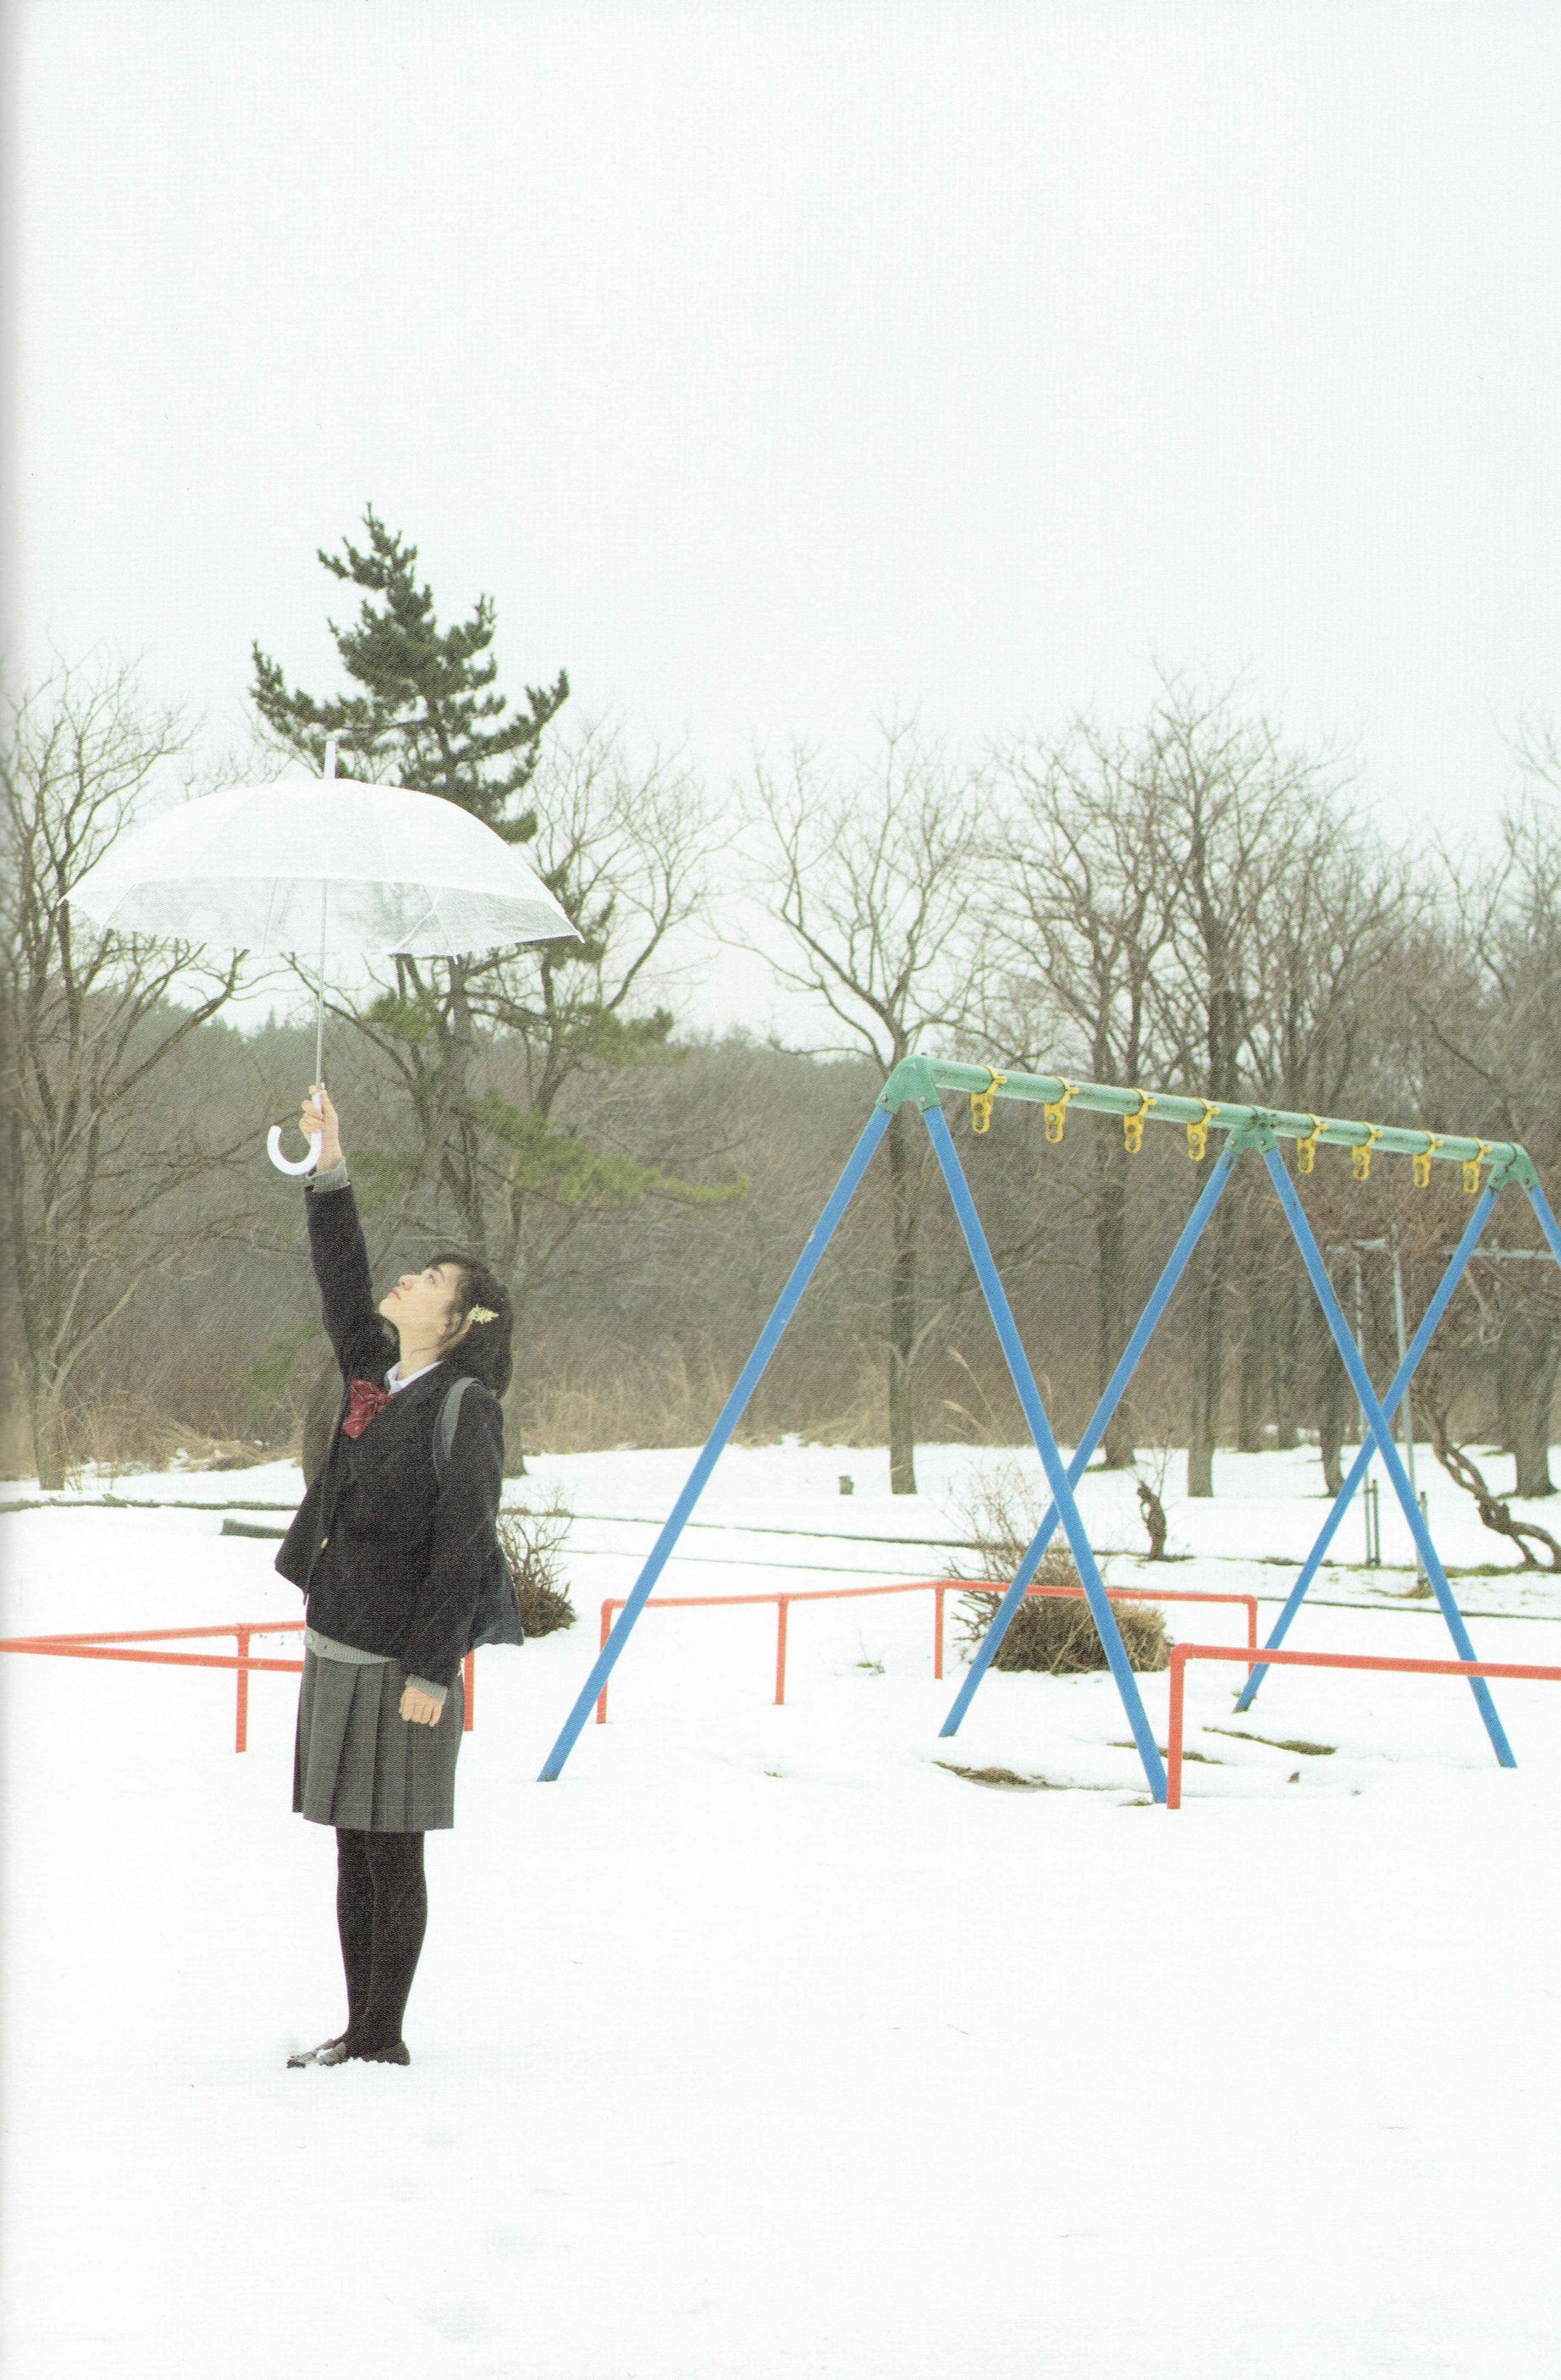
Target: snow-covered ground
{"x":763,"y":2043}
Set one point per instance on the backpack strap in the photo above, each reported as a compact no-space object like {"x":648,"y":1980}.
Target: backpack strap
{"x":444,"y":1428}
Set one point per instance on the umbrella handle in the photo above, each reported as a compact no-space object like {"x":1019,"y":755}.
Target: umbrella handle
{"x":285,"y":1164}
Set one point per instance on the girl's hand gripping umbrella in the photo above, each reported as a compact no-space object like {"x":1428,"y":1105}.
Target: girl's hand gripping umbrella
{"x":320,"y":1126}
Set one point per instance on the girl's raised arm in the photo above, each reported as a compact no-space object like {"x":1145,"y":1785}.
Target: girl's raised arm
{"x":357,"y":1329}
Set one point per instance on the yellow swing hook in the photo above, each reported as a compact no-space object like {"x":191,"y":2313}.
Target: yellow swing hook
{"x":1198,"y":1133}
{"x":1361,"y":1155}
{"x":981,"y":1102}
{"x":1056,"y":1111}
{"x":1422,"y":1157}
{"x":1471,"y":1169}
{"x":1306,"y":1150}
{"x":1133,"y":1126}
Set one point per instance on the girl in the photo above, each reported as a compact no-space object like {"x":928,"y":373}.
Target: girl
{"x":389,"y":1560}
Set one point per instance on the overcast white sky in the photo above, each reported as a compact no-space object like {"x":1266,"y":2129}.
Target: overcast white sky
{"x":772,"y":364}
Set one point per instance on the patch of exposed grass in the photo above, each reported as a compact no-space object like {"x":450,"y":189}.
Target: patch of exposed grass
{"x":1276,"y":1743}
{"x":1011,"y":1779}
{"x":1208,"y":1758}
{"x":1008,"y":1776}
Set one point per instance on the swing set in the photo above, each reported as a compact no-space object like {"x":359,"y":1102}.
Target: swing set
{"x":1488,"y":1168}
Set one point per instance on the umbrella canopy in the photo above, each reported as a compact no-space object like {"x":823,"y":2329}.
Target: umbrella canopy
{"x":327,"y":868}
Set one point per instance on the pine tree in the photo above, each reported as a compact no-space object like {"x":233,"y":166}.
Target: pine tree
{"x":459,"y":743}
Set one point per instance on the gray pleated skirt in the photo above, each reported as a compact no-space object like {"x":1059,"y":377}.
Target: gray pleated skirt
{"x":357,"y":1763}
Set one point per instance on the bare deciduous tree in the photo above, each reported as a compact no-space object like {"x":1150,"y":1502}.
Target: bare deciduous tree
{"x":1082,"y":915}
{"x":1243,"y":817}
{"x":1487,"y":1020}
{"x":1329,"y":1031}
{"x":85,"y":1017}
{"x":871,"y":870}
{"x":1182,"y":904}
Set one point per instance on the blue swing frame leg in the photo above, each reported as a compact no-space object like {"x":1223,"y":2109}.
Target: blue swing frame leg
{"x":1545,"y":1220}
{"x":1111,"y":1396}
{"x":1361,"y":1464}
{"x":1380,"y":1430}
{"x":731,"y":1415}
{"x":1045,"y":1444}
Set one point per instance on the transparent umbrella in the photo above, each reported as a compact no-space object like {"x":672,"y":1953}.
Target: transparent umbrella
{"x":324,"y":867}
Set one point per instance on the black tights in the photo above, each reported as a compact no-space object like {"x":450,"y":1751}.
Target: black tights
{"x":381,"y":1911}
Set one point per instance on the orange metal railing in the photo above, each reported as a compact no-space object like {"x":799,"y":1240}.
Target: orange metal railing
{"x":1182,"y":1653}
{"x":134,"y":1644}
{"x":938,"y":1588}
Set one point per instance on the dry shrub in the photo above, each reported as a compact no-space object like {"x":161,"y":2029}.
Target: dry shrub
{"x":126,"y":1433}
{"x":1052,"y":1633}
{"x":533,"y":1538}
{"x":1057,"y":1634}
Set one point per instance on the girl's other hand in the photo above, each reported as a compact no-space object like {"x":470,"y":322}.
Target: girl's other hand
{"x":318,"y":1114}
{"x":420,"y":1709}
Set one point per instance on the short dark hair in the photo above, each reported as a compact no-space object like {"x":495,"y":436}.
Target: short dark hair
{"x":485,"y":1351}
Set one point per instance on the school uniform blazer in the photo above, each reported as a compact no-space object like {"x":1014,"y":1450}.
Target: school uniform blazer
{"x":389,"y":1559}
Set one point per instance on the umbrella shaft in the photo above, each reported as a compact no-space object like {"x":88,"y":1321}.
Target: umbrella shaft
{"x":320,"y":999}
{"x":320,"y":995}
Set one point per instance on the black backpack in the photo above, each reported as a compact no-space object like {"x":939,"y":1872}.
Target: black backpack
{"x":497,"y":1620}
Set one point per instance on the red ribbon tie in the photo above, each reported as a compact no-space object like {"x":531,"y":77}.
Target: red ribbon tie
{"x":368,"y":1399}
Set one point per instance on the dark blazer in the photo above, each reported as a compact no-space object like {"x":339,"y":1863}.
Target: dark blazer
{"x":389,"y":1560}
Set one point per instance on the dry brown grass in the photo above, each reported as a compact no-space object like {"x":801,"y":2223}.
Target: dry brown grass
{"x":129,"y":1433}
{"x":669,"y":1400}
{"x":674,"y":1398}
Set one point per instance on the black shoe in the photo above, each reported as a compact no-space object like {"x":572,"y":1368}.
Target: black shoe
{"x":396,"y":2055}
{"x":325,"y":2053}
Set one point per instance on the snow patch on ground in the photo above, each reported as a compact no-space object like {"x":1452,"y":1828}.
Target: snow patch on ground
{"x":762,"y":2046}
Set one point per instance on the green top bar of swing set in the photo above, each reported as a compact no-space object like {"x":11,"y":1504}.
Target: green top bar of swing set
{"x":921,"y":1080}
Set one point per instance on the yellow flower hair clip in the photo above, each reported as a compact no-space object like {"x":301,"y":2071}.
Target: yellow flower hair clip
{"x":481,"y":1313}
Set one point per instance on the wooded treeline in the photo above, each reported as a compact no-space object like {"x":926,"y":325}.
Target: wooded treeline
{"x":1185,"y":901}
